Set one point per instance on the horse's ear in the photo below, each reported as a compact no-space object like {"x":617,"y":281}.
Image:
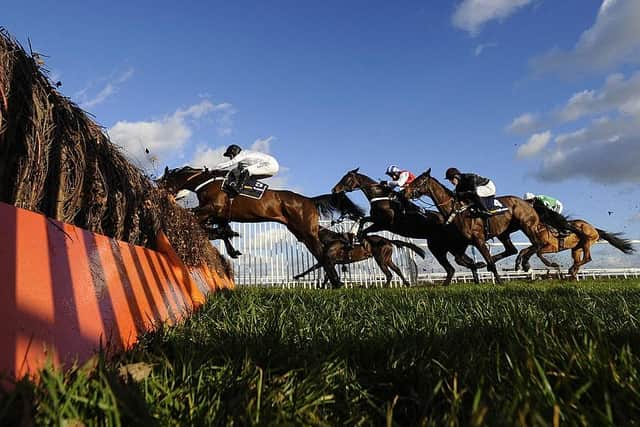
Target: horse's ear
{"x":166,"y":169}
{"x":428,"y":172}
{"x":355,"y":170}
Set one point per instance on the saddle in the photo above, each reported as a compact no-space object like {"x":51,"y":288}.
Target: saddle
{"x":252,"y":187}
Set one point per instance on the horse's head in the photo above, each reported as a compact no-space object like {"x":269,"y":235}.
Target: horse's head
{"x":174,"y":180}
{"x":419,"y":187}
{"x":349,"y":182}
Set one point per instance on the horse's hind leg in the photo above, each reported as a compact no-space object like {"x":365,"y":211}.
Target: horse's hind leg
{"x":577,"y":255}
{"x":470,"y":263}
{"x":307,"y":271}
{"x":317,"y":250}
{"x":465,"y":261}
{"x":397,"y":270}
{"x":441,"y":256}
{"x":384,"y":262}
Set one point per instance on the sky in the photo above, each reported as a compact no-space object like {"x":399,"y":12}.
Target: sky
{"x":539,"y":95}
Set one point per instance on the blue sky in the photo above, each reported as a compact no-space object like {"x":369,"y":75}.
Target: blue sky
{"x":540,"y":95}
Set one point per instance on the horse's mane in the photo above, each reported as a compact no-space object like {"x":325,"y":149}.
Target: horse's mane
{"x":186,"y":168}
{"x":450,"y":193}
{"x":555,"y":219}
{"x":369,"y":180}
{"x":337,"y":202}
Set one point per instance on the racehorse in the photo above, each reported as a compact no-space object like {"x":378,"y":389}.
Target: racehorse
{"x":580,"y":245}
{"x":519,"y":216}
{"x":339,"y":249}
{"x":300,"y":214}
{"x":386,"y":213}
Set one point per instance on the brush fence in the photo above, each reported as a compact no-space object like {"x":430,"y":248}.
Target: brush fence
{"x":271,"y":256}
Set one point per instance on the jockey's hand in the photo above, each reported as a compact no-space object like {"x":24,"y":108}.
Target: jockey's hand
{"x":385,"y":183}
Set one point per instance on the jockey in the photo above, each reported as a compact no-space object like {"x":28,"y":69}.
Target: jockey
{"x":399,"y":177}
{"x":246,"y":163}
{"x":474,"y":187}
{"x":551,"y":213}
{"x":549,"y":202}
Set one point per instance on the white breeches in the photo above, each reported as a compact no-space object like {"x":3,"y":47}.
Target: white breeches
{"x":263,"y":168}
{"x":486,"y":190}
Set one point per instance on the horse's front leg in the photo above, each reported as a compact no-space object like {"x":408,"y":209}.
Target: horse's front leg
{"x":481,"y":245}
{"x":361,"y":223}
{"x":509,"y":247}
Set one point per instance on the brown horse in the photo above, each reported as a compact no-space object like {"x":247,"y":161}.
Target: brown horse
{"x":338,"y":248}
{"x":520,"y":216}
{"x":386,"y":213}
{"x":580,"y":245}
{"x":298,"y":213}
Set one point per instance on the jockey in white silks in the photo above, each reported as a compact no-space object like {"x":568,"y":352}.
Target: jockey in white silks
{"x":246,"y":163}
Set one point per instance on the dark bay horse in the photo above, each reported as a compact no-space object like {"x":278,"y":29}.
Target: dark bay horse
{"x":298,"y":213}
{"x":520,"y":216}
{"x":381,"y":249}
{"x":580,"y":244}
{"x":386,"y":213}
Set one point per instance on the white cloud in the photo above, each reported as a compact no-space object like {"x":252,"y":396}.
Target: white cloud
{"x":534,"y":145}
{"x":524,"y":123}
{"x":613,"y":39}
{"x":163,"y":137}
{"x":617,"y":94}
{"x":606,"y":150}
{"x":606,"y":161}
{"x":471,"y":15}
{"x":110,"y":88}
{"x":482,"y":47}
{"x":224,"y":120}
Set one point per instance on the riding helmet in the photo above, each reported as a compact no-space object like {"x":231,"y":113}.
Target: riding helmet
{"x":529,"y":196}
{"x":232,"y":151}
{"x":452,"y":173}
{"x":392,"y":169}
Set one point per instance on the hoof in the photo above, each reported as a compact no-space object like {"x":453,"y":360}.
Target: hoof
{"x":235,"y":254}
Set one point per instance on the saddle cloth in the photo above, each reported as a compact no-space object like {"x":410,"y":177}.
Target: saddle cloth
{"x":493,"y":205}
{"x":252,"y":188}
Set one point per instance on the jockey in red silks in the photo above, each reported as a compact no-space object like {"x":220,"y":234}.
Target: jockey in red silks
{"x":400,"y":177}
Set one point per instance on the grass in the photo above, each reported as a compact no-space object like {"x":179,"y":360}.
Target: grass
{"x":531,"y":354}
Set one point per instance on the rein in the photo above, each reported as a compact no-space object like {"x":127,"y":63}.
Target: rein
{"x":207,"y":182}
{"x":377,"y":199}
{"x":192,"y":177}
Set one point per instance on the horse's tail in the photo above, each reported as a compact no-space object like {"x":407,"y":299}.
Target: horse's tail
{"x":616,"y":241}
{"x":327,"y":204}
{"x":401,"y":244}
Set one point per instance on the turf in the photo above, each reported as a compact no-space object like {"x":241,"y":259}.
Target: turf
{"x":542,"y":353}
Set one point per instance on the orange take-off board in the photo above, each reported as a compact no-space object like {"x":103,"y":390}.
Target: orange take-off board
{"x":66,"y":292}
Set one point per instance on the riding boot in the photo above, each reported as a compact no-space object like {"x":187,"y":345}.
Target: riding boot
{"x":230,"y":185}
{"x":482,"y":210}
{"x":242,"y":178}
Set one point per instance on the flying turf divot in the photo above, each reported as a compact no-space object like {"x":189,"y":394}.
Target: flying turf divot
{"x":67,"y":292}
